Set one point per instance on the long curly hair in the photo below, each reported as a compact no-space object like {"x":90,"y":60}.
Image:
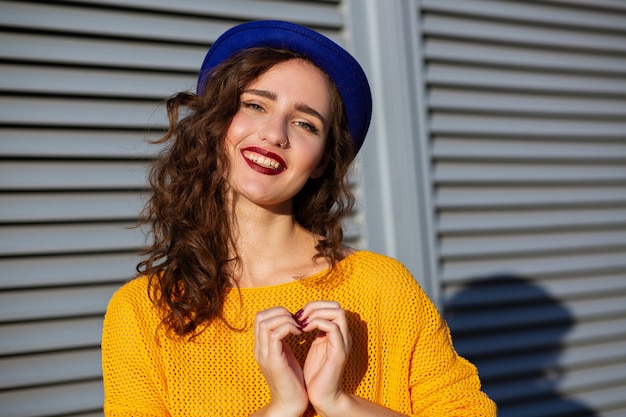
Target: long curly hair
{"x":189,"y":260}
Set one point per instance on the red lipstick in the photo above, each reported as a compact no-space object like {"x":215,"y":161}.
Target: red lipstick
{"x":257,"y":159}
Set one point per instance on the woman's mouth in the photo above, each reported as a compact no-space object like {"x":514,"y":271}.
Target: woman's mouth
{"x":263,"y":161}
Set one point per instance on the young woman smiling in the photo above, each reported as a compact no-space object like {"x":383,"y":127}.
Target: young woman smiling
{"x":247,"y":302}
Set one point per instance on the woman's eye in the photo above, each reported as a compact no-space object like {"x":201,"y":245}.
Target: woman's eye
{"x":307,"y":126}
{"x":252,"y":106}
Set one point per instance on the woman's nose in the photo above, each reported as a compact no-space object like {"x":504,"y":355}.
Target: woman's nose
{"x":274,"y":131}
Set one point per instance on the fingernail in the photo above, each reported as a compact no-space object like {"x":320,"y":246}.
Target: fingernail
{"x":298,"y":314}
{"x":304,"y":323}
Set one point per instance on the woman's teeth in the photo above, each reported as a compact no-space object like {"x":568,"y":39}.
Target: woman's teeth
{"x":261,"y":160}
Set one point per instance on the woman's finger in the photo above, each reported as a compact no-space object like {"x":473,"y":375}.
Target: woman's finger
{"x":336,"y":337}
{"x":315,"y":312}
{"x":271,"y":327}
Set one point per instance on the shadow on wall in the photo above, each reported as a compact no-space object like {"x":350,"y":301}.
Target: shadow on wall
{"x":513,"y":331}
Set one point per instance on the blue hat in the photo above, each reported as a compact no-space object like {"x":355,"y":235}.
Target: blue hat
{"x":340,"y":66}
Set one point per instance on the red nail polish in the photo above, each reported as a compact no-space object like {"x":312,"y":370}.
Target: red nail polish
{"x":304,"y":323}
{"x":298,"y":314}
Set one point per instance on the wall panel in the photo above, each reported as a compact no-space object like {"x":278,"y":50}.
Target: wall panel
{"x":80,"y":97}
{"x":526,"y":106}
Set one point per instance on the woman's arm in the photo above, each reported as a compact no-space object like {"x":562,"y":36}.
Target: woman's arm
{"x":442,"y":383}
{"x":132,"y":375}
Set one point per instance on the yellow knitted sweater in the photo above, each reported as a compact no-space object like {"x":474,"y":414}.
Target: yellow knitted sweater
{"x":402,"y":356}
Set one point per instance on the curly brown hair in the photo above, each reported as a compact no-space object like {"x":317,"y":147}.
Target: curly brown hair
{"x":190,"y":258}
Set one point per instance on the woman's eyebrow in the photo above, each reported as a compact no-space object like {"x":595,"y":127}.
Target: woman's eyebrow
{"x":309,"y":110}
{"x":262,"y":93}
{"x":304,"y":108}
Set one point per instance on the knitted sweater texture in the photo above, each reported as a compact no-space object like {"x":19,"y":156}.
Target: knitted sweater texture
{"x":402,"y":355}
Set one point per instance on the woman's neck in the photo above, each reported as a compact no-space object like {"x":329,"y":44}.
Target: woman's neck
{"x":273,"y":249}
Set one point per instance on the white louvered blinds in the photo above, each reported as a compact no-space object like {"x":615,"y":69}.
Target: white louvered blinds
{"x":80,"y":88}
{"x":527,"y":106}
{"x":525,"y":103}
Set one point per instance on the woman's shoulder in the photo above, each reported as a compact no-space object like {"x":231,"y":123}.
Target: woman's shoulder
{"x":372,"y":262}
{"x":385,"y":284}
{"x":376,"y":269}
{"x":133,"y":287}
{"x":131,"y":314}
{"x":133,"y":294}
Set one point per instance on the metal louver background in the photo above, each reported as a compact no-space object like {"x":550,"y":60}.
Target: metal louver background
{"x":80,"y":88}
{"x":526,"y":105}
{"x":527,"y":122}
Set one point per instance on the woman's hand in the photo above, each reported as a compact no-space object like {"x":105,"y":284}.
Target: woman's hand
{"x":324,"y":365}
{"x":278,"y":364}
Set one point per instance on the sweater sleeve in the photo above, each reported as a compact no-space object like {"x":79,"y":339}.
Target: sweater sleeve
{"x":133,"y":377}
{"x":442,"y":383}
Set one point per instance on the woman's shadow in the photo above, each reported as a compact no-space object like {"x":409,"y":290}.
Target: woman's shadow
{"x":512,"y":330}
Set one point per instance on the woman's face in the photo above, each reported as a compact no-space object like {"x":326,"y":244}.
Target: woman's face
{"x":277,"y":138}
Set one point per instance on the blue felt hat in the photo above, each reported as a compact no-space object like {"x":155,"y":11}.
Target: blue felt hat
{"x":341,"y":67}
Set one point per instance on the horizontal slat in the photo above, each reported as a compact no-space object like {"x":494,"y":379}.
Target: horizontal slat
{"x":22,"y":79}
{"x":495,"y":245}
{"x":509,"y":56}
{"x":525,"y":173}
{"x":79,"y":238}
{"x":568,"y":265}
{"x":90,"y":144}
{"x":57,"y":207}
{"x":445,"y":99}
{"x":538,"y":314}
{"x":55,"y":400}
{"x":93,"y":414}
{"x":523,"y":33}
{"x":73,"y":175}
{"x":47,"y":368}
{"x":51,"y":49}
{"x":611,"y":6}
{"x":453,"y":149}
{"x":22,"y":338}
{"x":528,"y":363}
{"x":504,"y":343}
{"x":620,"y":411}
{"x":457,"y":197}
{"x":499,"y":220}
{"x":567,"y":383}
{"x":587,"y":17}
{"x":464,"y":125}
{"x":322,"y":13}
{"x":43,"y":271}
{"x":40,"y":111}
{"x":503,"y":79}
{"x":22,"y":305}
{"x":510,"y":289}
{"x":92,"y":21}
{"x":605,"y":401}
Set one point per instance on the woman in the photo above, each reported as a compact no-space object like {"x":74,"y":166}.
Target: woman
{"x":247,"y":302}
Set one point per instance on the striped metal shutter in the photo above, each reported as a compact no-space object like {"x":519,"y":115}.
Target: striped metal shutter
{"x":527,"y":129}
{"x":81,"y":83}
